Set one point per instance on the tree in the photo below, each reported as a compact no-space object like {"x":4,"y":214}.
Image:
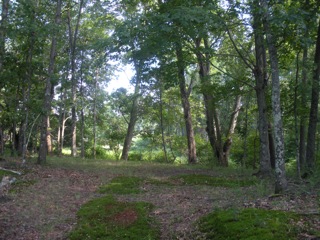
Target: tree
{"x":49,"y":90}
{"x":73,"y":37}
{"x":185,"y":94}
{"x":3,"y":26}
{"x":261,"y":78}
{"x":281,"y":181}
{"x":133,"y":112}
{"x":313,"y":119}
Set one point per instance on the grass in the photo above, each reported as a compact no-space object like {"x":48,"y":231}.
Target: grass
{"x":199,"y":179}
{"x":122,"y":185}
{"x":105,"y":218}
{"x":131,"y":185}
{"x":249,"y":224}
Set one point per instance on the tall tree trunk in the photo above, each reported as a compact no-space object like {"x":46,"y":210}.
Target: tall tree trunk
{"x":204,"y":71}
{"x":233,"y":124}
{"x":133,"y":114}
{"x":218,"y":133}
{"x":62,"y":120}
{"x":185,"y":93}
{"x":82,"y":152}
{"x":49,"y":92}
{"x":3,"y":30}
{"x":95,"y":117}
{"x":49,"y":138}
{"x":271,"y":146}
{"x":313,"y":119}
{"x":26,"y":96}
{"x":82,"y":97}
{"x":73,"y":41}
{"x":164,"y":147}
{"x":245,"y":140}
{"x":304,"y":80}
{"x":295,"y":107}
{"x":303,"y":119}
{"x":1,"y":141}
{"x":260,"y":76}
{"x":281,"y":181}
{"x":14,"y":138}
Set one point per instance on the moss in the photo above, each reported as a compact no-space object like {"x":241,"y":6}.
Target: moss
{"x":122,"y":185}
{"x":105,"y":218}
{"x":198,"y":179}
{"x":21,"y":184}
{"x":249,"y":224}
{"x":7,"y":173}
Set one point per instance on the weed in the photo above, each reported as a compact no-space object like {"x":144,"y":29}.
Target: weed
{"x":105,"y":218}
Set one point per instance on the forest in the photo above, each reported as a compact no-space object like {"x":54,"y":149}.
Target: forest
{"x":216,"y":84}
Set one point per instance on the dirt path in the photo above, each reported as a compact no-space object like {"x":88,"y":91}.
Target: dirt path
{"x":47,"y":209}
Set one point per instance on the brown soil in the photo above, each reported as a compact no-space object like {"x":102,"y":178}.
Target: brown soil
{"x":47,"y":209}
{"x":125,"y":218}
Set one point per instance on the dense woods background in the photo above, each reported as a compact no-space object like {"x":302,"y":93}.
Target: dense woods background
{"x":219,"y":82}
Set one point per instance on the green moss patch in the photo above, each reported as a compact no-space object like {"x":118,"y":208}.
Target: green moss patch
{"x":249,"y":224}
{"x":122,"y":185}
{"x":198,"y":179}
{"x":19,"y":185}
{"x":105,"y":218}
{"x":7,"y":173}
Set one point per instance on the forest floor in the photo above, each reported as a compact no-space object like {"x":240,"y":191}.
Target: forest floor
{"x":45,"y":204}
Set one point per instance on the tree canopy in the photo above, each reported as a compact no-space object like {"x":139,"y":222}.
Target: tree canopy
{"x":218,"y":82}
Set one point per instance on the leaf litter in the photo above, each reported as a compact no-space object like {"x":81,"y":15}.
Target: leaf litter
{"x":47,"y":209}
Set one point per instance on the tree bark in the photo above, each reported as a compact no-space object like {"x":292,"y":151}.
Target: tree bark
{"x":26,"y":95}
{"x":271,"y":147}
{"x":49,"y":92}
{"x":82,"y":152}
{"x":49,"y":139}
{"x":185,"y":93}
{"x":73,"y":42}
{"x":3,"y":30}
{"x":164,"y":147}
{"x":1,"y":142}
{"x":95,"y":118}
{"x":204,"y":71}
{"x":233,"y":123}
{"x":313,"y":119}
{"x":260,"y":76}
{"x":281,"y":181}
{"x":133,"y":114}
{"x":303,"y":119}
{"x":62,"y":120}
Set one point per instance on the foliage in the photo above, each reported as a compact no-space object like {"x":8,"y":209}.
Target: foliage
{"x":204,"y":151}
{"x":243,"y":224}
{"x":101,"y":153}
{"x":105,"y":218}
